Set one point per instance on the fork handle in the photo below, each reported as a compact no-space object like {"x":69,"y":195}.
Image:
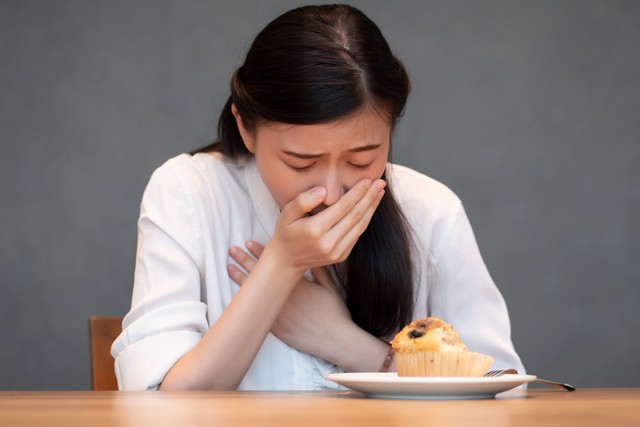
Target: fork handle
{"x":567,"y":387}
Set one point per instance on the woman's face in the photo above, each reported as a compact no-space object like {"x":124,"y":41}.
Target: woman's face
{"x":336,"y":155}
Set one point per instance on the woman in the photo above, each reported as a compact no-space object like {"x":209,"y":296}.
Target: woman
{"x":291,"y":248}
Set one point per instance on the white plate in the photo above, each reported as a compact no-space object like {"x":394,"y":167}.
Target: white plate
{"x":389,"y":385}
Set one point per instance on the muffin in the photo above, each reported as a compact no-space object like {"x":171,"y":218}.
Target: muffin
{"x":431,"y":347}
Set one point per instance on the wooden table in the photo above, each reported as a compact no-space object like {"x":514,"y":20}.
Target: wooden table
{"x":533,"y":407}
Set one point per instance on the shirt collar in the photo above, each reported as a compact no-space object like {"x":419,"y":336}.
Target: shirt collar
{"x":263,"y":202}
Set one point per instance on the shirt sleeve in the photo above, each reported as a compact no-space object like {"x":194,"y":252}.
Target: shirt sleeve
{"x":167,"y":316}
{"x":463,"y":293}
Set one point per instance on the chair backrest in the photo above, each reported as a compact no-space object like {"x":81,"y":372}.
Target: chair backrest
{"x":102,"y":332}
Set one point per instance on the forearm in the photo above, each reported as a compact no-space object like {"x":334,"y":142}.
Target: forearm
{"x":224,"y":354}
{"x":355,"y":350}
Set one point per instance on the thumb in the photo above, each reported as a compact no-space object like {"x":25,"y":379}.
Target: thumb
{"x":303,"y":204}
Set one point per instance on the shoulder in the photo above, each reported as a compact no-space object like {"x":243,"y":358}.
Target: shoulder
{"x":434,"y":212}
{"x":422,"y":195}
{"x":199,"y":186}
{"x":198,"y":174}
{"x":200,"y":166}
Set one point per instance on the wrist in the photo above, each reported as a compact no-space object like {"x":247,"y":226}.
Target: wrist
{"x":275,"y":255}
{"x":388,"y":360}
{"x":359,"y":351}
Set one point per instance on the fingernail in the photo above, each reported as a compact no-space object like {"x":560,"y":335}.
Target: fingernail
{"x":233,"y":251}
{"x":380,"y":184}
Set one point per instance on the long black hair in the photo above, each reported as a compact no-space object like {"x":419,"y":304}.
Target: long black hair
{"x":312,"y":65}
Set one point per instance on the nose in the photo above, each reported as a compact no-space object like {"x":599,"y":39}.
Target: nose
{"x":335,"y":190}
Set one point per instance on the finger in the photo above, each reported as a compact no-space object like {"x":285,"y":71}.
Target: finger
{"x":236,"y":274}
{"x":242,"y":258}
{"x":351,"y":232}
{"x":303,"y":204}
{"x":345,"y":238}
{"x":345,"y":245}
{"x":255,"y":248}
{"x":342,"y":208}
{"x":358,"y":218}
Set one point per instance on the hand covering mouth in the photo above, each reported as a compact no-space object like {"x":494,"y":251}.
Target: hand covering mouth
{"x":317,"y":210}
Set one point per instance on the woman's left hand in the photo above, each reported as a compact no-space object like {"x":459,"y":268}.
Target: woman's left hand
{"x":313,"y":314}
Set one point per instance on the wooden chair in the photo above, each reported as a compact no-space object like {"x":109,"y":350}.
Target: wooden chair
{"x":102,"y":332}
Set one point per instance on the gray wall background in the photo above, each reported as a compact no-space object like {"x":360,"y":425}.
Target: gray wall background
{"x":529,"y":110}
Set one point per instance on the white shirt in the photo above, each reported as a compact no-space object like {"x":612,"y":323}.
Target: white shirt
{"x":196,"y":207}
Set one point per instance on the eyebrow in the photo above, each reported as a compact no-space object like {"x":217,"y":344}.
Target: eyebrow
{"x":315,"y":156}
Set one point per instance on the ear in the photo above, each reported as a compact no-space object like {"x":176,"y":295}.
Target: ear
{"x":247,"y":137}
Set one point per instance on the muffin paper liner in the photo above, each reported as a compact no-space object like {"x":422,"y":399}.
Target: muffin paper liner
{"x":442,"y":364}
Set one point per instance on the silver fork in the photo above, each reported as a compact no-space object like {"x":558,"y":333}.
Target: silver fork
{"x":499,"y":372}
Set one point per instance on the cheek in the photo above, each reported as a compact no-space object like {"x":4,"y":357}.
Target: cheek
{"x":284,"y":191}
{"x":352,"y":177}
{"x":376,"y":170}
{"x":379,"y":166}
{"x":379,"y":169}
{"x":281,"y":184}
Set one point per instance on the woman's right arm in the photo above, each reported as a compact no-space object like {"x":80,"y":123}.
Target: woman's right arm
{"x":224,"y":354}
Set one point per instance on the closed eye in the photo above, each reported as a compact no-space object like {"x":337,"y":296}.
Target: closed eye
{"x":303,"y":169}
{"x":361,"y":167}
